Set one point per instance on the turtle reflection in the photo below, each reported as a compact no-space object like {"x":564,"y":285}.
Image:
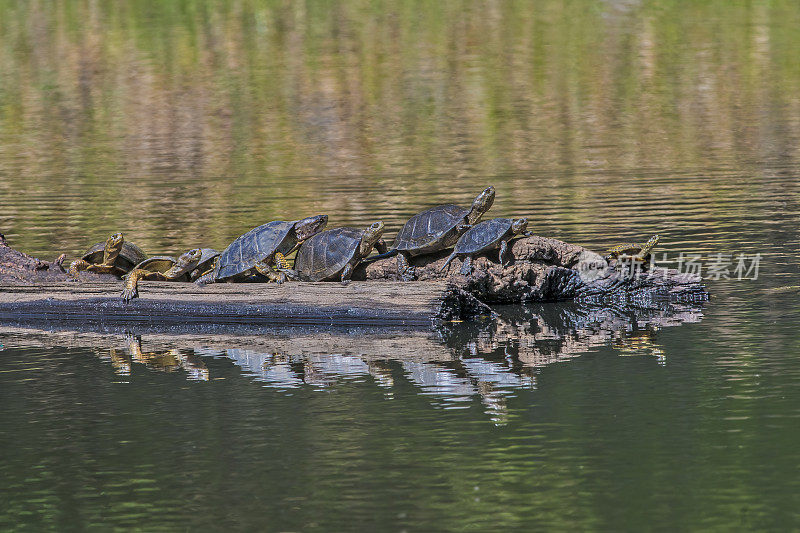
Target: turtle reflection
{"x":168,"y":360}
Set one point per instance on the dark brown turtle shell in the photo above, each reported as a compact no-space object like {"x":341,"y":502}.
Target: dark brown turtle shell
{"x":207,"y":257}
{"x":253,"y":247}
{"x":432,"y":230}
{"x":325,"y":255}
{"x":484,"y":236}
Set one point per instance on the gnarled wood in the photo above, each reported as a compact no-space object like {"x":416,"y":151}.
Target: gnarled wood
{"x":546,"y":270}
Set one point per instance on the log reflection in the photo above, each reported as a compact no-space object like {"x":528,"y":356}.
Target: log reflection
{"x":454,"y":366}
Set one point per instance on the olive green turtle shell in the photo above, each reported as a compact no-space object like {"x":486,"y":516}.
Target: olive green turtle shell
{"x":159,"y":264}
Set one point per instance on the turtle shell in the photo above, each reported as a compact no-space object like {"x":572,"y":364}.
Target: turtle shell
{"x":129,"y":256}
{"x":255,"y":246}
{"x":160,"y":264}
{"x":207,"y":255}
{"x":484,"y":236}
{"x":431,"y":230}
{"x":325,"y":255}
{"x":626,"y":249}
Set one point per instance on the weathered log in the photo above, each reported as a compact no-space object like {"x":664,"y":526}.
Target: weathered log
{"x":17,"y":267}
{"x":392,"y":303}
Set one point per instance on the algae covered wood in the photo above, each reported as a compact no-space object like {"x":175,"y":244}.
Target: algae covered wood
{"x":388,"y":303}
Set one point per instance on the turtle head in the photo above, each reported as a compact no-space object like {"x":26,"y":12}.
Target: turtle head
{"x":308,"y":227}
{"x":481,"y":204}
{"x":113,"y":248}
{"x":371,"y":236}
{"x":185,"y":263}
{"x":190,"y":259}
{"x":519,"y":225}
{"x":646,"y":247}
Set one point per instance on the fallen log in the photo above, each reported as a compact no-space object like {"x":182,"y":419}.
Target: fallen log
{"x":540,"y":270}
{"x":389,"y":304}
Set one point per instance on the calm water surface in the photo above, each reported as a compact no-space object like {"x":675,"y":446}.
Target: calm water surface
{"x":188,"y":123}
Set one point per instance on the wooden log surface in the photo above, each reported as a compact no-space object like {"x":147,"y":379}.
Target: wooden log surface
{"x":387,"y":303}
{"x":540,"y":270}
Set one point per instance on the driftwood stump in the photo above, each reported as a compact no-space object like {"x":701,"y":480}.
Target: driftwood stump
{"x":546,"y":270}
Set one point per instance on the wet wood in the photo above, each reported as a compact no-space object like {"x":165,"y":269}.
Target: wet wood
{"x":360,"y":303}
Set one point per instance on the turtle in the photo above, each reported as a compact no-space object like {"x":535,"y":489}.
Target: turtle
{"x":206,"y":264}
{"x":485,"y":236}
{"x":160,"y":268}
{"x":433,"y":230}
{"x":114,"y":256}
{"x":639,"y":252}
{"x":333,"y":254}
{"x":260,"y":248}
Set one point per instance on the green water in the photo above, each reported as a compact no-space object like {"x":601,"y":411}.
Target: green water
{"x":186,"y":123}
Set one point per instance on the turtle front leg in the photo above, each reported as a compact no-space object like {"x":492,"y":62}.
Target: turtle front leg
{"x":405,"y":271}
{"x":347,"y":273}
{"x":285,"y":270}
{"x":281,"y":262}
{"x":131,"y":289}
{"x":466,"y":266}
{"x":205,"y":278}
{"x":381,"y":247}
{"x":76,"y":266}
{"x":266,"y":270}
{"x":103,"y":269}
{"x":503,"y":251}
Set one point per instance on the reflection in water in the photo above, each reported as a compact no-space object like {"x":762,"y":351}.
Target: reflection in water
{"x":168,"y":360}
{"x":488,"y":361}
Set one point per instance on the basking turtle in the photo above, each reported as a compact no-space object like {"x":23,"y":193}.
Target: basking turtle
{"x":258,"y":250}
{"x":434,"y":230}
{"x":114,"y":256}
{"x":208,"y":260}
{"x":160,"y":268}
{"x":486,"y":236}
{"x":639,"y":252}
{"x":333,"y":254}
